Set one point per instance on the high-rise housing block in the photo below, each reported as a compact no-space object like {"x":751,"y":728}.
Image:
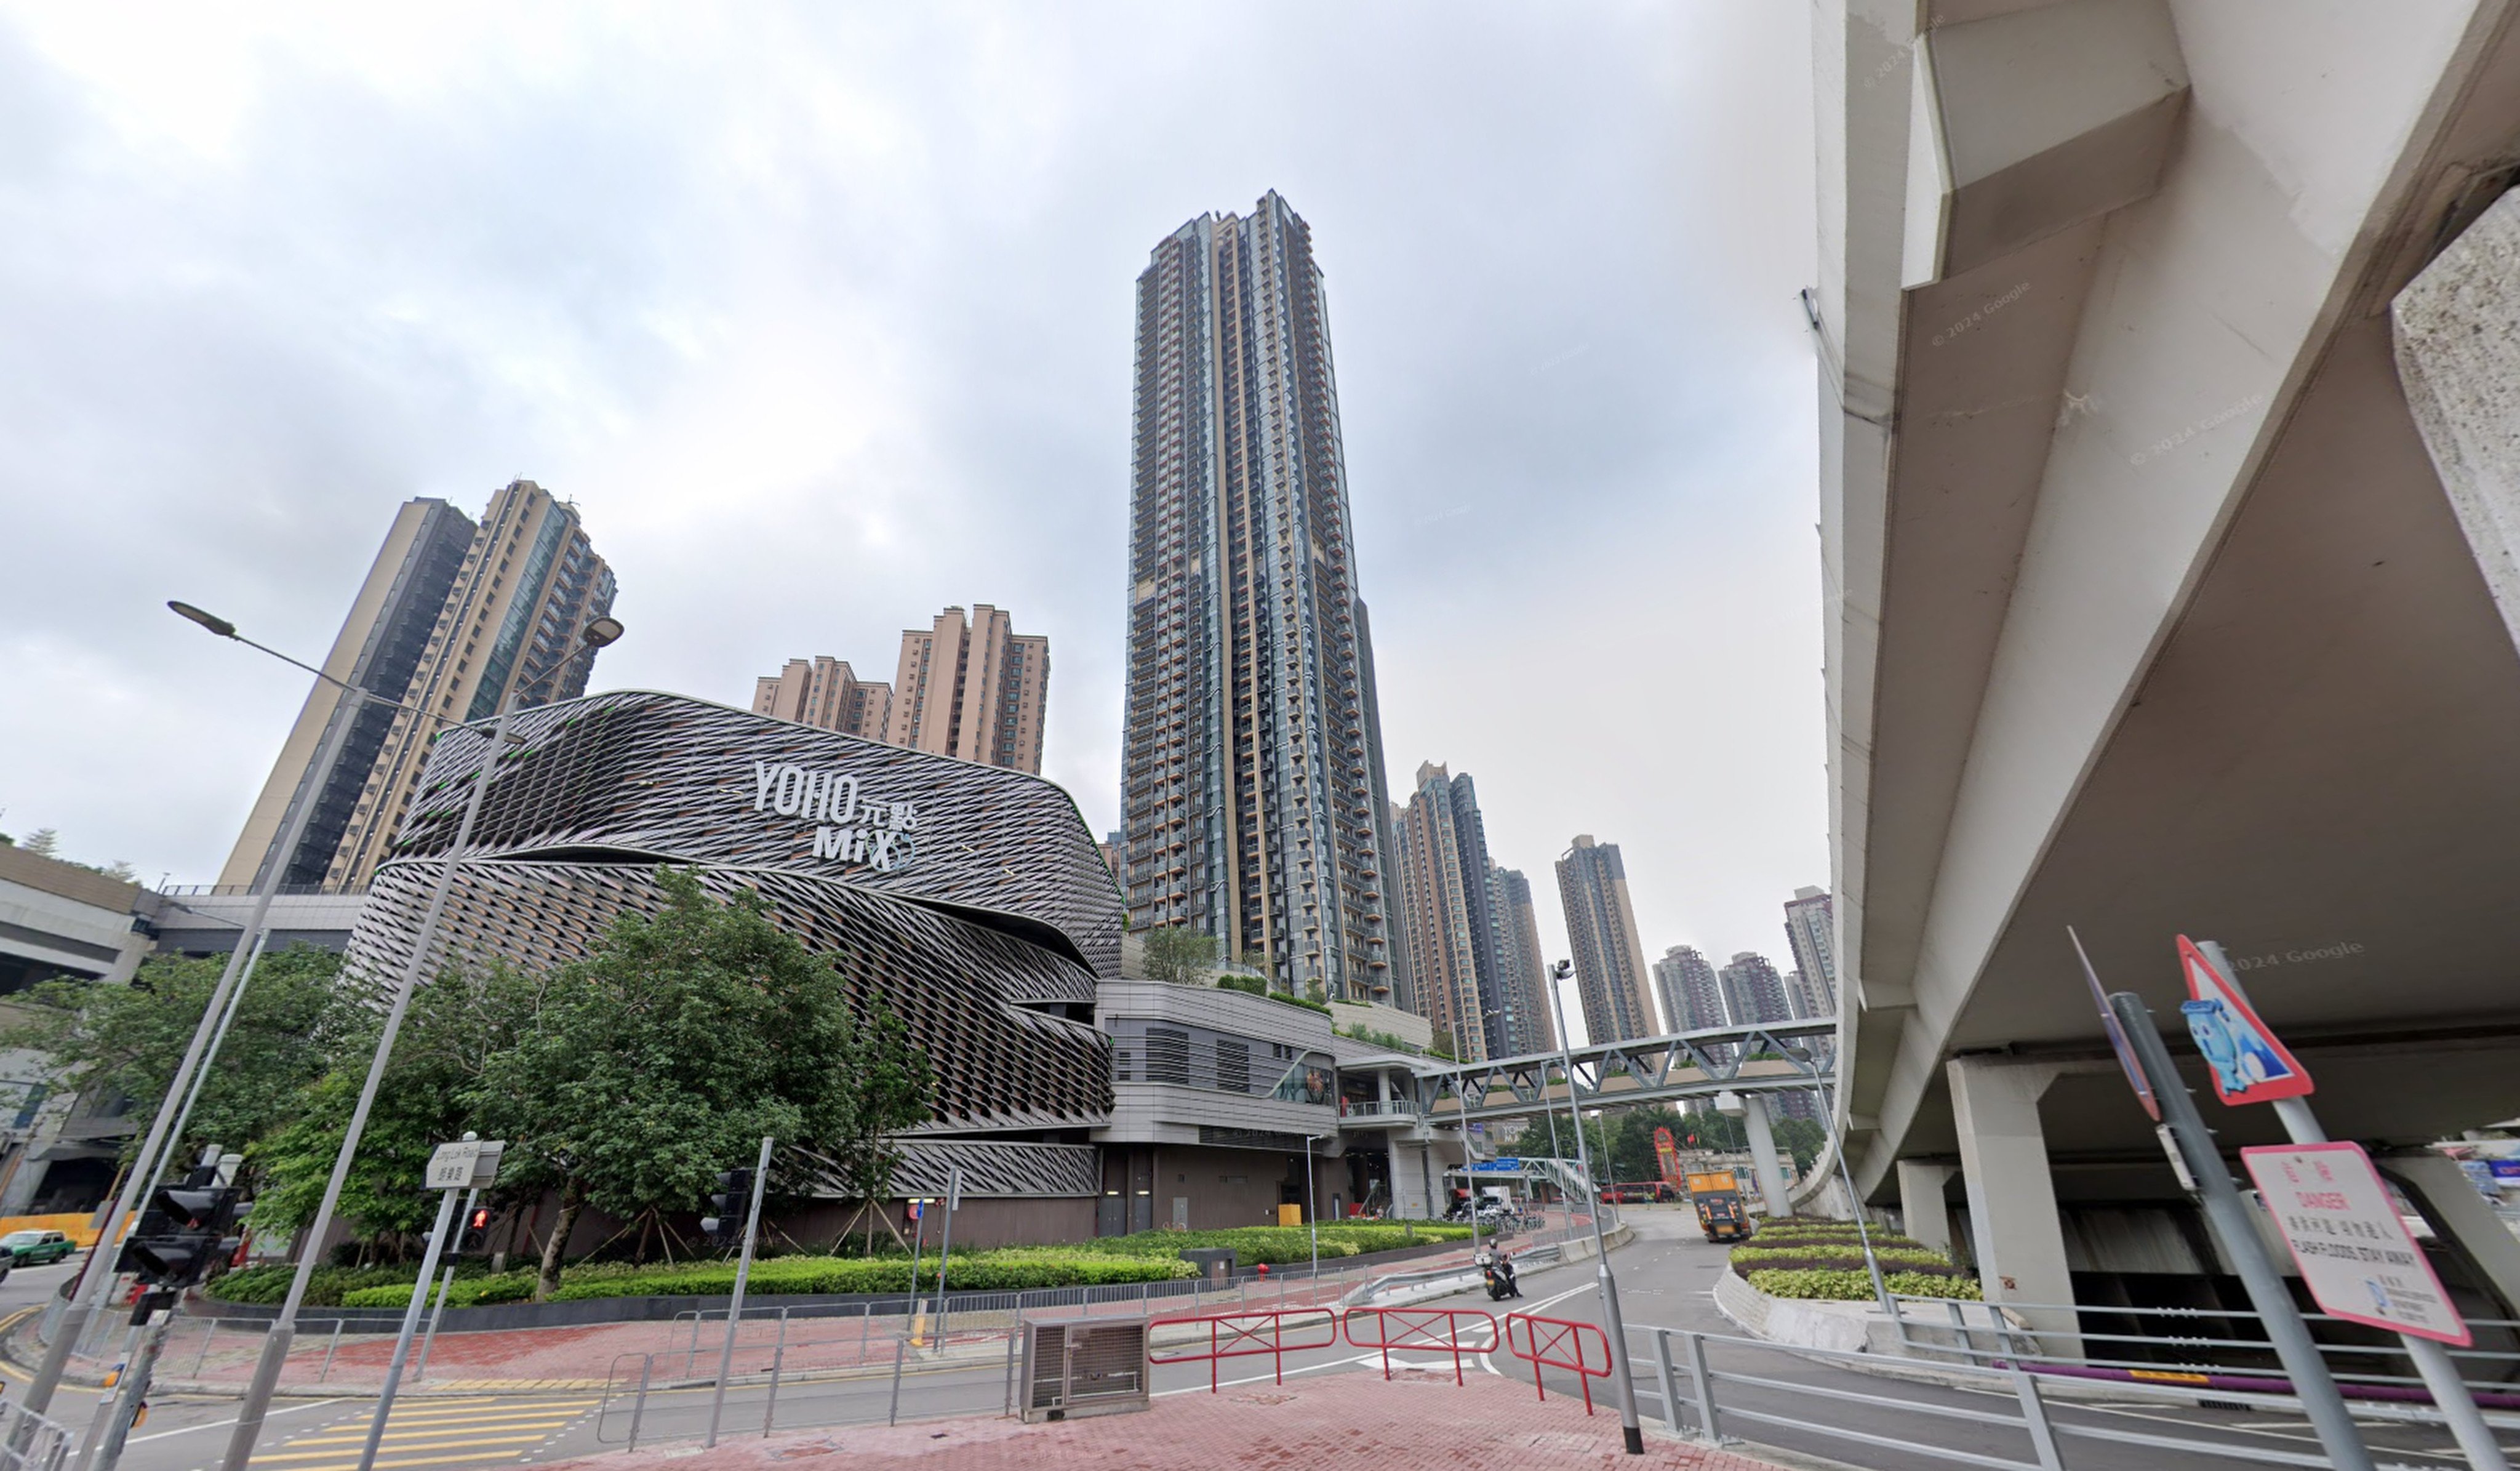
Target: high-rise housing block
{"x":1753,"y":991}
{"x":826,"y":693}
{"x":1251,"y":748}
{"x":1532,"y":1029}
{"x":1810,"y":928}
{"x":1692,"y":998}
{"x":453,"y":619}
{"x":973,"y":688}
{"x":1601,"y":929}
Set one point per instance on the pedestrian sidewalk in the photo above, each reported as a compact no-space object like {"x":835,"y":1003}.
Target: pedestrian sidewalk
{"x":1418,"y":1421}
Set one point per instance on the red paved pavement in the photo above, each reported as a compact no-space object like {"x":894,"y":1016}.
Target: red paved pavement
{"x":1417,"y":1420}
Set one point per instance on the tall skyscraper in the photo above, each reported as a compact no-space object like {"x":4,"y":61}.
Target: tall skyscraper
{"x":825,"y":692}
{"x":1526,"y":973}
{"x":1691,"y":996}
{"x":973,"y":688}
{"x":1251,"y":746}
{"x":1810,"y":928}
{"x":1753,"y":991}
{"x":1602,"y":928}
{"x":1439,"y":867}
{"x":452,"y":617}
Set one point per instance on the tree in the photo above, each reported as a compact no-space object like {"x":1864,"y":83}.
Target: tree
{"x":666,"y":1053}
{"x":1179,"y":955}
{"x":127,"y":1039}
{"x":429,"y":1095}
{"x":43,"y":842}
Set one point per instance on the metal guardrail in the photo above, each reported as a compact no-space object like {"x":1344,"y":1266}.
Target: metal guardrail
{"x":1709,"y":1408}
{"x":1559,"y":1343}
{"x":2201,"y":1348}
{"x":29,"y":1441}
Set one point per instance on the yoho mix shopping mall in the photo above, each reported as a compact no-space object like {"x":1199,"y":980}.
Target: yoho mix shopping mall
{"x":968,"y":900}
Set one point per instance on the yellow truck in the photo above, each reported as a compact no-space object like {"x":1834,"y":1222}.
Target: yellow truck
{"x":1716,"y":1195}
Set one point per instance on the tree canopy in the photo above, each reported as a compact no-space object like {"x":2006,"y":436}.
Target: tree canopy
{"x":105,"y":1040}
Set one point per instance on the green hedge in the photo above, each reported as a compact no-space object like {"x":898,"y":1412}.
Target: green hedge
{"x":1279,"y":1245}
{"x":1828,"y":1285}
{"x":1254,"y":986}
{"x":1795,"y":1253}
{"x":326,"y":1288}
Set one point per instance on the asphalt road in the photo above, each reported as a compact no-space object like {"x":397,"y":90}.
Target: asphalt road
{"x":1665,"y":1279}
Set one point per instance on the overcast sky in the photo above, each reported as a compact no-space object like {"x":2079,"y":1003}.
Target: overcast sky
{"x":821,"y":317}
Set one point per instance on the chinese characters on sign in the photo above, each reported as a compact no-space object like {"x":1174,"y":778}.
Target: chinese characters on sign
{"x":849,"y":827}
{"x":2356,"y":1255}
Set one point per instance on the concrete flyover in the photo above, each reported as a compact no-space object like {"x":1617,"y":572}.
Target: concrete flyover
{"x":2170,"y":484}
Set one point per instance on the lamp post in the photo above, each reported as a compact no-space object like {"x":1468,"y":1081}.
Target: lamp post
{"x":162,"y":1137}
{"x":1629,"y":1428}
{"x":276,"y":1342}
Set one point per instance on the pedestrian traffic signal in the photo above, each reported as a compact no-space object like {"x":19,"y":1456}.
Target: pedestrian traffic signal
{"x":181,"y":1232}
{"x":475,"y":1238}
{"x":728,"y":1207}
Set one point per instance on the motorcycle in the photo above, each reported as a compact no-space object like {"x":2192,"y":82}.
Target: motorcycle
{"x":1501,"y":1283}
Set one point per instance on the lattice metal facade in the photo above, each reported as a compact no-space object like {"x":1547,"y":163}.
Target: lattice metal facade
{"x":969,"y":900}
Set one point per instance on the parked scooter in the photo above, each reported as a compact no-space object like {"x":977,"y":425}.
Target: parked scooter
{"x":1498,"y":1267}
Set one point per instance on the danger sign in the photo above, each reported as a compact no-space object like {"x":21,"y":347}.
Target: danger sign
{"x":2249,"y":1065}
{"x":2356,"y":1255}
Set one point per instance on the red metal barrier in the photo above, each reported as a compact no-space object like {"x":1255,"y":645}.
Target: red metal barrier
{"x":1438,"y":1329}
{"x":1241,"y":1335}
{"x":1547,"y":1340}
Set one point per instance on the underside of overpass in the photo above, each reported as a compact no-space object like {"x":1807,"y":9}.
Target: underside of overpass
{"x":2171,"y":460}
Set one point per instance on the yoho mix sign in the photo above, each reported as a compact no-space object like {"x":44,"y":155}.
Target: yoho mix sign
{"x":848,"y":825}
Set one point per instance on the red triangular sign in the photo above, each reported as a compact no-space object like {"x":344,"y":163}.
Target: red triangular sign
{"x":2248,"y":1062}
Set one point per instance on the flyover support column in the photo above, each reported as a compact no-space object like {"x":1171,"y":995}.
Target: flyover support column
{"x":2013,"y":1225}
{"x":1762,"y":1155}
{"x":2459,"y":1214}
{"x":1920,"y":1202}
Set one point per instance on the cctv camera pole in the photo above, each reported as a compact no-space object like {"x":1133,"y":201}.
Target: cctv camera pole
{"x":1623,"y":1379}
{"x":742,"y":1275}
{"x":284,"y":1327}
{"x":98,"y":1270}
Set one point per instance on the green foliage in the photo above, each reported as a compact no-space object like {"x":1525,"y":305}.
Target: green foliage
{"x":1828,"y":1285}
{"x":107,"y":1039}
{"x":1013,"y":1270}
{"x":668,"y":1051}
{"x":1254,"y":986}
{"x":1278,"y":1245}
{"x":1375,"y":1037}
{"x":1179,"y":955}
{"x":451,"y":1032}
{"x":325,"y":1288}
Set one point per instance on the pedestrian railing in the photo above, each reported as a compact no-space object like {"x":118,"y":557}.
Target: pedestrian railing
{"x":29,"y":1441}
{"x":1557,"y":1343}
{"x":1715,"y":1388}
{"x":1438,"y":1330}
{"x":1272,"y":1334}
{"x":2219,"y":1348}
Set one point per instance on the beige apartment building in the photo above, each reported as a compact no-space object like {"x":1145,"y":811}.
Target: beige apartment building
{"x":965,"y":686}
{"x":1602,"y":927}
{"x":453,"y":619}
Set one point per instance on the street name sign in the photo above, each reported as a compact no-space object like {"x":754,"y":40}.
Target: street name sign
{"x":466,"y":1164}
{"x":2356,"y":1255}
{"x":2247,"y":1062}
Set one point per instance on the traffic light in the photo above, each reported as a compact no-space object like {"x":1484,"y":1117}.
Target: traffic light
{"x":728,"y":1207}
{"x":475,"y":1238}
{"x":182,"y":1231}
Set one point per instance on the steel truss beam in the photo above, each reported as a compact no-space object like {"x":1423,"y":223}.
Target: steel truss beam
{"x":1765,"y":1058}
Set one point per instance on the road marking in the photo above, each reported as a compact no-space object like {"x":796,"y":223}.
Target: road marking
{"x":231,"y":1420}
{"x":450,"y":1433}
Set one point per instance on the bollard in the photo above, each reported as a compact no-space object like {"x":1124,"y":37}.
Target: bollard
{"x":866,"y":1325}
{"x":329,"y":1349}
{"x":900,"y":1351}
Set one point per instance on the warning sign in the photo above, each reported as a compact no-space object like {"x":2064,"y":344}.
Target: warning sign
{"x":2248,"y":1064}
{"x":2356,"y":1255}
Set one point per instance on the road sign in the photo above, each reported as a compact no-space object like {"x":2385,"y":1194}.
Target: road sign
{"x":2117,"y":1036}
{"x":2249,"y":1065}
{"x":466,"y":1164}
{"x":2356,"y":1255}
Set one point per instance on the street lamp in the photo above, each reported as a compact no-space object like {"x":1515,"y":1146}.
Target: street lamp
{"x":596,"y":634}
{"x":163,"y":1134}
{"x":1629,"y":1428}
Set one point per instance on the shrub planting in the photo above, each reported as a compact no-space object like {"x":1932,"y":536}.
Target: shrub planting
{"x":1825,"y":1285}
